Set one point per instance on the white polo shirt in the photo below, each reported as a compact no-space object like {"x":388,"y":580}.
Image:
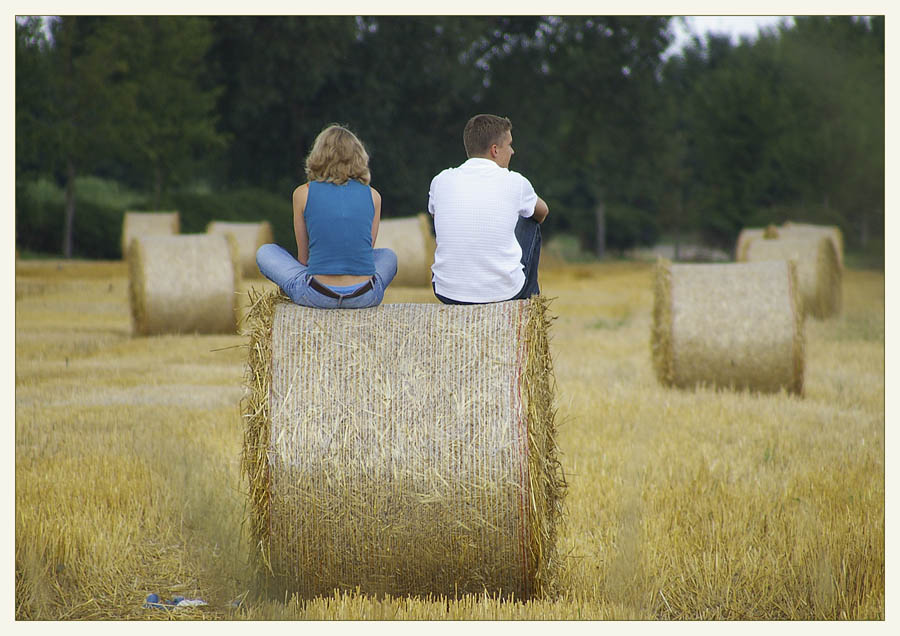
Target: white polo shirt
{"x":476,"y":207}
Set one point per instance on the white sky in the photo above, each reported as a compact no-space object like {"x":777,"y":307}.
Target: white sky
{"x":734,"y":25}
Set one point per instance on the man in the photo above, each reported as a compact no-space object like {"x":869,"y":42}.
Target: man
{"x":486,"y":221}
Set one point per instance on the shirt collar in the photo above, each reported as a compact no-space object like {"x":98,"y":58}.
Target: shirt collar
{"x":481,"y":161}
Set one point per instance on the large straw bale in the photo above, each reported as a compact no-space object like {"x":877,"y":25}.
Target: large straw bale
{"x":731,"y":325}
{"x":750,"y":234}
{"x":819,"y":274}
{"x":184,"y":284}
{"x":135,"y":224}
{"x":833,"y":232}
{"x":412,"y":241}
{"x":249,"y":237}
{"x":405,"y":449}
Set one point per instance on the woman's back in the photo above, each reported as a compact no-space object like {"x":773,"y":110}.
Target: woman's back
{"x":339,"y":224}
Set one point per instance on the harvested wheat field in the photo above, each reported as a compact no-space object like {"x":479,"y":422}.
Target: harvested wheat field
{"x":680,"y":503}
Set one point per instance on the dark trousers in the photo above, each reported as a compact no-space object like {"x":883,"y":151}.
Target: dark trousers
{"x":528,"y":234}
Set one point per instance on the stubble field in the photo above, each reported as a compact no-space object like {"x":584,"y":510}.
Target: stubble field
{"x":699,"y":504}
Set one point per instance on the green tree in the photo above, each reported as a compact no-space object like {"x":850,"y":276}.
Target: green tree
{"x":836,"y":66}
{"x":408,"y":90}
{"x":588,"y":87}
{"x":738,"y":111}
{"x":172,"y":126}
{"x":32,"y":105}
{"x":273,"y":71}
{"x":788,"y":126}
{"x":84,"y":98}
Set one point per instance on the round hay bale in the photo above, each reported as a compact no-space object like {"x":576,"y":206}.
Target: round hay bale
{"x":833,"y":232}
{"x":732,"y":325}
{"x":135,"y":224}
{"x":750,"y":234}
{"x":183,"y":284}
{"x":819,"y":273}
{"x":249,"y":238}
{"x":412,"y":241}
{"x":404,"y":449}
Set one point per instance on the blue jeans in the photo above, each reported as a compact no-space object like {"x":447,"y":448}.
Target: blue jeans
{"x":280,"y":267}
{"x":528,"y":234}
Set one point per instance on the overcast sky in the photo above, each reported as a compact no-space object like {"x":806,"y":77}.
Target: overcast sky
{"x":733,"y":25}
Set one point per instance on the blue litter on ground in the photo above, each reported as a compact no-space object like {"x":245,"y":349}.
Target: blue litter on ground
{"x":179,"y":602}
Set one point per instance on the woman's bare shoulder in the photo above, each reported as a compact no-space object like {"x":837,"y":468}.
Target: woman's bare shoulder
{"x":301,"y":192}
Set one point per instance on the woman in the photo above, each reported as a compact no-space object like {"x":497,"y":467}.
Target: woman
{"x":336,"y":217}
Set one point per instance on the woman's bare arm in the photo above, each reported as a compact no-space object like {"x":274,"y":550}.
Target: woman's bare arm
{"x":299,"y":205}
{"x":376,"y":201}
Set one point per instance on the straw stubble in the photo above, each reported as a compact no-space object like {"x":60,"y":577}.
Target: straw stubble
{"x":403,"y":449}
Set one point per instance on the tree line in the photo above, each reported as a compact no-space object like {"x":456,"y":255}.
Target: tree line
{"x":626,"y":145}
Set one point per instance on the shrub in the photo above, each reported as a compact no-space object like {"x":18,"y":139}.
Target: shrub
{"x":100,"y":205}
{"x":246,"y":204}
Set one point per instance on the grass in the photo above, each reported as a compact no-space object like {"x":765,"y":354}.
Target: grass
{"x":697,"y":505}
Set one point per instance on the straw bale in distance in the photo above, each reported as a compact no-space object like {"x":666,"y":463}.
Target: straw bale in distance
{"x":135,"y":224}
{"x":819,"y":274}
{"x":405,"y":449}
{"x":732,"y":325}
{"x":183,"y":284}
{"x":750,"y":234}
{"x":249,"y":237}
{"x":791,"y":228}
{"x":412,"y":241}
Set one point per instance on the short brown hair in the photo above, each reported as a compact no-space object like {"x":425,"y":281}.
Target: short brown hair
{"x":482,"y":131}
{"x":337,"y":156}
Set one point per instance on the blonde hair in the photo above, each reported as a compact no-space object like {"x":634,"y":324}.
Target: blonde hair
{"x":337,"y":156}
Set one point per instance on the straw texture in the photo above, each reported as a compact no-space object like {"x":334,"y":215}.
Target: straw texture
{"x":819,"y":274}
{"x":249,"y":237}
{"x":403,"y":449}
{"x":791,"y":228}
{"x":183,"y":284}
{"x":136,"y":224}
{"x":733,"y":325}
{"x":412,"y":241}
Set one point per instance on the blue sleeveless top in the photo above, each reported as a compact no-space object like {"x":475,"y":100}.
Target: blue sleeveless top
{"x":339,"y":224}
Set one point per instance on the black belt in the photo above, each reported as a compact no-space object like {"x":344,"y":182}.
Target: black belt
{"x":326,"y":291}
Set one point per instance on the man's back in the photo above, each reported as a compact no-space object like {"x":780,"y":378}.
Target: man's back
{"x":476,"y":208}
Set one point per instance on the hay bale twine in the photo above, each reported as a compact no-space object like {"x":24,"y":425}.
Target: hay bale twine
{"x":790,"y":228}
{"x":412,"y":241}
{"x":819,"y":273}
{"x":249,"y":238}
{"x":135,"y":224}
{"x":731,"y":325}
{"x":183,"y":284}
{"x":405,"y":449}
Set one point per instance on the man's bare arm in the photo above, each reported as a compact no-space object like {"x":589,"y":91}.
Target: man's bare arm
{"x":541,"y":210}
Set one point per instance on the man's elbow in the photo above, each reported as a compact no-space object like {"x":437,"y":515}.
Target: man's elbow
{"x":541,"y":210}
